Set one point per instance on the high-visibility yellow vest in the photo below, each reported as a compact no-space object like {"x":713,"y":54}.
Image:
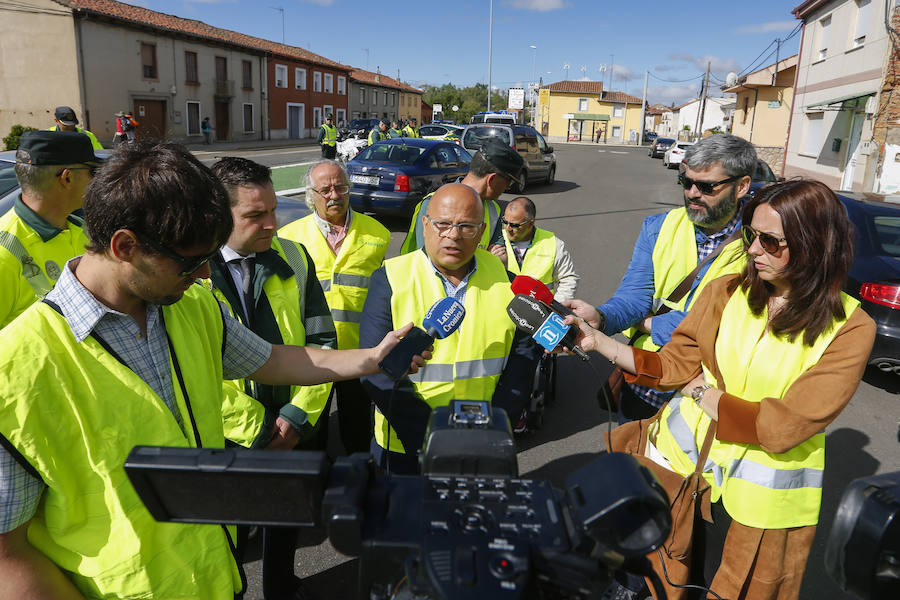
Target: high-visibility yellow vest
{"x":29,"y":266}
{"x":330,"y":135}
{"x":244,"y":420}
{"x":758,"y":488}
{"x":467,"y":364}
{"x":94,"y":141}
{"x":74,"y":412}
{"x":376,"y":135}
{"x":539,"y":259}
{"x":410,"y":131}
{"x":345,"y":277}
{"x":415,"y":237}
{"x":674,"y":257}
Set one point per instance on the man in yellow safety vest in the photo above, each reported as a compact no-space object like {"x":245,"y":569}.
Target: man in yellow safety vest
{"x":328,"y":137}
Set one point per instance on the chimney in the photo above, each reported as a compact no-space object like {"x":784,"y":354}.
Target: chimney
{"x":377,"y":74}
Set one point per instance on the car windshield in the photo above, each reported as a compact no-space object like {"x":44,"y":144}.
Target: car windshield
{"x":398,"y":154}
{"x":887,"y":234}
{"x":763,"y":172}
{"x":476,"y":136}
{"x":8,"y":181}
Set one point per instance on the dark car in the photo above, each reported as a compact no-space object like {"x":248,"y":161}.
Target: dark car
{"x":650,"y":136}
{"x":540,"y":160}
{"x":392,"y":176}
{"x":360,"y":127}
{"x":874,"y":278}
{"x":659,"y":147}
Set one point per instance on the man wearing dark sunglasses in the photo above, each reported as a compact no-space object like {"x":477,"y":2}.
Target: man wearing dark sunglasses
{"x":40,"y":233}
{"x":127,"y":349}
{"x":717,"y":174}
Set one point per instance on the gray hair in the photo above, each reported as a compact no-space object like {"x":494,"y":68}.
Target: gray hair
{"x":36,"y":179}
{"x":309,"y":197}
{"x":737,"y":155}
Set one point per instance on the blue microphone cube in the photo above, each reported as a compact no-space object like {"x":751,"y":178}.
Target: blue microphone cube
{"x":444,"y":317}
{"x":551,"y":332}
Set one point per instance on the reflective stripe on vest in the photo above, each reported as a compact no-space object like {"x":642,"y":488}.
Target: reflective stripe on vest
{"x":344,"y":278}
{"x":415,"y":238}
{"x":30,"y":270}
{"x":758,"y":488}
{"x":91,"y":522}
{"x":539,"y":259}
{"x":674,"y":257}
{"x":467,"y":364}
{"x":330,"y":135}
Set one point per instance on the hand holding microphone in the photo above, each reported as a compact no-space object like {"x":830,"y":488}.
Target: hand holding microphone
{"x":529,"y":286}
{"x":441,"y":320}
{"x":547,"y":328}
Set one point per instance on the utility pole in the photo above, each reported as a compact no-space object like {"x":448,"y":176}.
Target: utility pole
{"x":698,"y":132}
{"x":643,"y":107}
{"x":612,"y":68}
{"x":777,"y":58}
{"x":490,"y":52}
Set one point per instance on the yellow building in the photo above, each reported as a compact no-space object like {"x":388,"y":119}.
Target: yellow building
{"x":580,"y":110}
{"x":763,"y":104}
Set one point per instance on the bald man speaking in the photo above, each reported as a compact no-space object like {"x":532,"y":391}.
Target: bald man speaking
{"x":485,"y":359}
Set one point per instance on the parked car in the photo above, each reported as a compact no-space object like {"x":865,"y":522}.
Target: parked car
{"x":359,"y":127}
{"x":874,"y":278}
{"x":392,"y":176}
{"x":659,"y":147}
{"x":674,"y":155}
{"x":502,"y":116}
{"x":439,"y":131}
{"x":540,"y":160}
{"x":649,"y":136}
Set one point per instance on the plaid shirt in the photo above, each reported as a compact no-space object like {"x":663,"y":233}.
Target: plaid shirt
{"x":655,"y":397}
{"x":147,"y":356}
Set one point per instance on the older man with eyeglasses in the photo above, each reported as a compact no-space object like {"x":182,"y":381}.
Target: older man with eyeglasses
{"x":40,"y":233}
{"x":346,"y":247}
{"x":485,"y":359}
{"x":530,"y":250}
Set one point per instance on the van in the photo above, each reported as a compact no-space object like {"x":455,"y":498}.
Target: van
{"x":540,"y":161}
{"x":494,"y":117}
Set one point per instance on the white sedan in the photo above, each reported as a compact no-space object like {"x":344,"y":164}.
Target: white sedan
{"x":438,"y":131}
{"x":674,"y":155}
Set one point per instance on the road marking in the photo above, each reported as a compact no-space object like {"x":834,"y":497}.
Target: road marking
{"x":256,"y":153}
{"x":292,"y":192}
{"x":601,"y":150}
{"x":293,"y":165}
{"x":617,"y":152}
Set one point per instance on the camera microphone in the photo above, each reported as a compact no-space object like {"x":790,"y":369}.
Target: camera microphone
{"x":441,"y":320}
{"x":546,"y":327}
{"x":533,"y":288}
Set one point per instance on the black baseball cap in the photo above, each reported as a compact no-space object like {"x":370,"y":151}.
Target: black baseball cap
{"x":55,"y":148}
{"x":386,"y":122}
{"x":66,"y":116}
{"x":329,"y":117}
{"x":504,"y":160}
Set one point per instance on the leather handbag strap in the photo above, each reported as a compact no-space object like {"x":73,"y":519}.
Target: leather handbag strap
{"x":707,"y":444}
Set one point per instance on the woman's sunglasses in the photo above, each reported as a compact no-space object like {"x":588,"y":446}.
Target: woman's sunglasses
{"x":769,"y":242}
{"x":705,"y":187}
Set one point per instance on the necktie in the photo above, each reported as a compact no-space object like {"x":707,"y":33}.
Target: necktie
{"x":247,"y":271}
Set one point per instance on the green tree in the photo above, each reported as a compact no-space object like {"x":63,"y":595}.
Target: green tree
{"x":11,"y":142}
{"x":469,"y":99}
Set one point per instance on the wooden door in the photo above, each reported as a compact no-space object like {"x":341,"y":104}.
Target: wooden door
{"x":223,"y":123}
{"x":151,"y":118}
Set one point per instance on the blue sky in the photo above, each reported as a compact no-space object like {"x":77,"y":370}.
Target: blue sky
{"x":439,"y":42}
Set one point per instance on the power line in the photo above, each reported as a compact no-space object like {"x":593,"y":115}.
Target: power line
{"x":676,"y":80}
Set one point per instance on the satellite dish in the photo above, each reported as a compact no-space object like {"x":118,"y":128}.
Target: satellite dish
{"x":731,"y":79}
{"x":455,"y":108}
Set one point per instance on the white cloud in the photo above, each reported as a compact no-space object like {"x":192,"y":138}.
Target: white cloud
{"x":768,"y":27}
{"x":716,"y":64}
{"x":539,"y":5}
{"x":320,"y":2}
{"x":664,"y":68}
{"x":623,"y":73}
{"x":667,"y":94}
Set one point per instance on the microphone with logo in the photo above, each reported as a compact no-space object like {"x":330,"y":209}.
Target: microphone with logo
{"x":441,"y":320}
{"x":534,"y":288}
{"x":546,"y":327}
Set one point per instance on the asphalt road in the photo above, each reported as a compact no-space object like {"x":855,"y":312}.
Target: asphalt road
{"x":597,"y":204}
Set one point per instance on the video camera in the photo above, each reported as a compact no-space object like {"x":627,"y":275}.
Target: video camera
{"x":468,"y":527}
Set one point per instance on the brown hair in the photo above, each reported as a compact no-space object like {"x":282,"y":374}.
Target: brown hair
{"x":820,"y":239}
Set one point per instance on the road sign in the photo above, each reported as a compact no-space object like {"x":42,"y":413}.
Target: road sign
{"x":544,"y":96}
{"x":437,"y":108}
{"x":516,"y":98}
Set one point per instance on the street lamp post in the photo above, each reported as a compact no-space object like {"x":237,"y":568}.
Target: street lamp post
{"x":531,"y":87}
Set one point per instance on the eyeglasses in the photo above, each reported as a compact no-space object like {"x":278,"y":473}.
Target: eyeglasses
{"x":466,"y":230}
{"x":705,"y":187}
{"x":514,"y":225}
{"x":188,"y":264}
{"x":340,"y":189}
{"x":769,"y":242}
{"x":92,"y":169}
